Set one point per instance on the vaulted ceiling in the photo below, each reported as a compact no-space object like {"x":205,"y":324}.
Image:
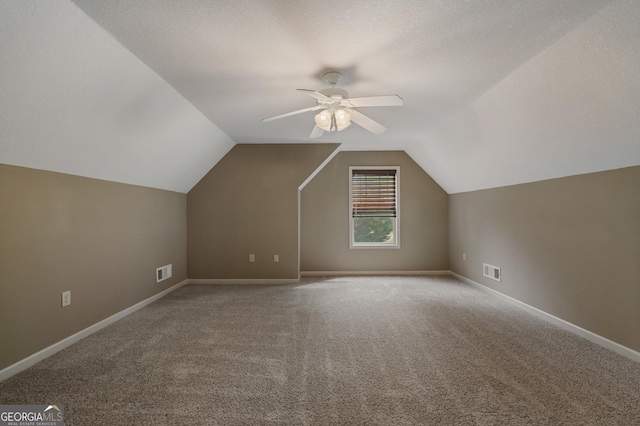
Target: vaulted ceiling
{"x":154,"y":93}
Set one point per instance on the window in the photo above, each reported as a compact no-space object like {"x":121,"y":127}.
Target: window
{"x":374,"y":207}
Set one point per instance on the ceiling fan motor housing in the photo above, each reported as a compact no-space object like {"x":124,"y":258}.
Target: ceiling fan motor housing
{"x":335,"y":93}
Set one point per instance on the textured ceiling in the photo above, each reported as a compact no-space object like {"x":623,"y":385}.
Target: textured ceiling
{"x":496,"y":92}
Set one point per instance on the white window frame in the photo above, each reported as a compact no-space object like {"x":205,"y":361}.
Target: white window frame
{"x":396,"y":228}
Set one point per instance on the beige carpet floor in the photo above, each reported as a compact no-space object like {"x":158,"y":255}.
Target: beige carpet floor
{"x":331,"y":351}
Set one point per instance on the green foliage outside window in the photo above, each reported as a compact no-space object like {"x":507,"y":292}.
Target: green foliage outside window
{"x":373,"y":229}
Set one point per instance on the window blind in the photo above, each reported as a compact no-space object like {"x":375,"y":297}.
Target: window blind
{"x":373,"y":193}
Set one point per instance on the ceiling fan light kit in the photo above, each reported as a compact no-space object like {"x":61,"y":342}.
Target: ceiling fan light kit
{"x":331,"y":121}
{"x":337,"y":109}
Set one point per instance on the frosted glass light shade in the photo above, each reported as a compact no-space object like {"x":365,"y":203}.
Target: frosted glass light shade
{"x":323,"y":120}
{"x":343,"y":119}
{"x":329,"y":121}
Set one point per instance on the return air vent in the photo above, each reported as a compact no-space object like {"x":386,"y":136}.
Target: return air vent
{"x":164,"y":272}
{"x":491,"y":271}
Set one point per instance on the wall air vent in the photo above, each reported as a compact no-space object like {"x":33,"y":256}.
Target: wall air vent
{"x":164,"y":272}
{"x":491,"y":271}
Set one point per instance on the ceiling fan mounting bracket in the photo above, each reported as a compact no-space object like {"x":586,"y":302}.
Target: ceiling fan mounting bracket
{"x":331,"y":77}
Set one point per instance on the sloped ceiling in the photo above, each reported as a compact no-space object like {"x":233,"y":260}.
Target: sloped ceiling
{"x":73,"y":100}
{"x":496,"y":92}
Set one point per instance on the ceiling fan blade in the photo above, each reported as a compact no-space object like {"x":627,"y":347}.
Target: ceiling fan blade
{"x":315,"y":94}
{"x":316,"y":132}
{"x":300,"y":111}
{"x":363,"y":121}
{"x":372,"y":101}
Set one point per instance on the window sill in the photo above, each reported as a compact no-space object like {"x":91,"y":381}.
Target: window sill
{"x":374,"y":246}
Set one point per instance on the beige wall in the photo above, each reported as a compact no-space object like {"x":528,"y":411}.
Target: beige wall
{"x":325,"y":219}
{"x":101,"y":240}
{"x":570,"y":247}
{"x":248,"y":203}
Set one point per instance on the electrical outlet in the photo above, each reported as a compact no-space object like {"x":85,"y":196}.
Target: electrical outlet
{"x":276,"y":258}
{"x":66,"y":298}
{"x":464,"y":256}
{"x":252,"y":258}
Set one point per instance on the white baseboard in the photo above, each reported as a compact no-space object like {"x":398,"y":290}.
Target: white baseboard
{"x":368,"y":273}
{"x":65,"y":343}
{"x":595,"y":338}
{"x":244,"y":281}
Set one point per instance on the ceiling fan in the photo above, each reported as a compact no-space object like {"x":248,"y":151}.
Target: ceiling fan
{"x":337,"y":108}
